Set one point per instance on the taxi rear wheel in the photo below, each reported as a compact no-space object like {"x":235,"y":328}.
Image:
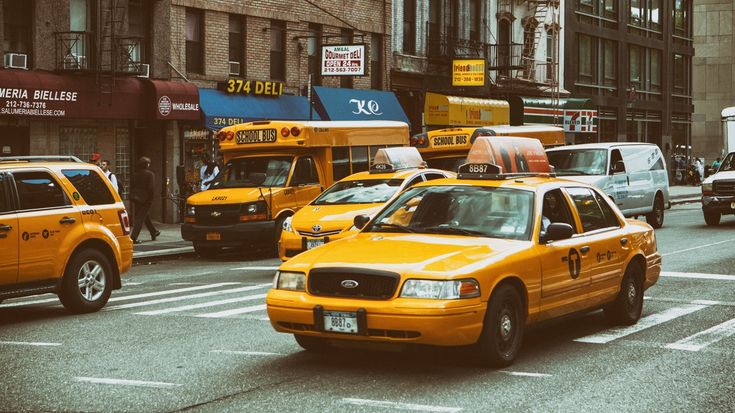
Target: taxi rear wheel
{"x":313,"y":344}
{"x":628,"y":305}
{"x":502,"y":332}
{"x":206,"y":252}
{"x":87,"y":282}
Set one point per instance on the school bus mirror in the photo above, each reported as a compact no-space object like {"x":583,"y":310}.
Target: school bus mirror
{"x":361,"y":220}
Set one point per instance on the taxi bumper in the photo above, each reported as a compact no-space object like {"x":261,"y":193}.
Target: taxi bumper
{"x":253,"y":233}
{"x":126,"y":254}
{"x":653,"y":270}
{"x":292,"y":244}
{"x":419,"y":321}
{"x":723,"y":204}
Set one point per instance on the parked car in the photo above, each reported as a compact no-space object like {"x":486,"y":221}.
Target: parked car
{"x":632,"y":174}
{"x":718,"y":192}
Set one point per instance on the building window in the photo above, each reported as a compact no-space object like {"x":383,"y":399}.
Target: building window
{"x":346,"y":81}
{"x":78,"y":22}
{"x":645,"y":14}
{"x":278,"y":50}
{"x":409,"y":26}
{"x":194,"y":41}
{"x":597,"y":65}
{"x":681,"y":18}
{"x":17,"y":25}
{"x":376,"y":61}
{"x":476,"y":23}
{"x":551,"y":55}
{"x":138,"y":30}
{"x":598,"y":12}
{"x":645,"y":72}
{"x":314,"y":52}
{"x":608,"y":124}
{"x":681,"y":85}
{"x":587,"y":59}
{"x":237,"y":45}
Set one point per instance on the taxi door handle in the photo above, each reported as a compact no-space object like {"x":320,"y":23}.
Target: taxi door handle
{"x":585,"y":249}
{"x":4,"y":227}
{"x":623,"y":241}
{"x":67,"y":220}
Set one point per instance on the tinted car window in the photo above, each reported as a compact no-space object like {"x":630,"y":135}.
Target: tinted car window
{"x":4,"y":198}
{"x":90,"y":185}
{"x":588,"y":209}
{"x":610,"y":218}
{"x":39,"y":190}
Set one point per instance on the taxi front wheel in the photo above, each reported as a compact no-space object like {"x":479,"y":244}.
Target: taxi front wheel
{"x":628,"y":305}
{"x":502,"y":332}
{"x":87,"y":282}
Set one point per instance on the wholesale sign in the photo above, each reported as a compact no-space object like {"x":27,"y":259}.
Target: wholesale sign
{"x":343,"y":60}
{"x":468,"y":72}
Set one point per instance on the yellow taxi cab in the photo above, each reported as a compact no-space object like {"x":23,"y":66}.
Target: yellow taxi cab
{"x":63,"y":230}
{"x":471,"y":261}
{"x":330,"y":216}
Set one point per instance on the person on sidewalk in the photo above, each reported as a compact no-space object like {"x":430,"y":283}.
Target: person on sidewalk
{"x":94,"y":158}
{"x":141,"y":193}
{"x":716,"y":163}
{"x":105,"y":165}
{"x":208,"y":172}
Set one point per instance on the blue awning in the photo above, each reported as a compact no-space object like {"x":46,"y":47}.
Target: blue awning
{"x":221,"y":109}
{"x":357,"y":104}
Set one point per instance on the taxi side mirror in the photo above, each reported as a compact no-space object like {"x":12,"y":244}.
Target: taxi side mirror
{"x":618,"y":167}
{"x":360,"y":221}
{"x":557,"y":231}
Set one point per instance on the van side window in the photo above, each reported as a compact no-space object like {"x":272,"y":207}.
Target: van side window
{"x":90,"y":185}
{"x":610,"y":218}
{"x":588,"y":209}
{"x":305,"y":172}
{"x":615,"y":156}
{"x":37,"y":190}
{"x":340,"y":162}
{"x":555,"y":210}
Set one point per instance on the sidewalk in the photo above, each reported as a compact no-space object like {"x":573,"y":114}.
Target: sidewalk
{"x":680,"y":194}
{"x":168,"y":243}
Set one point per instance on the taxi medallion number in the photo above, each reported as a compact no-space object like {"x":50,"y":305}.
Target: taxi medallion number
{"x":213,"y":236}
{"x":340,"y":322}
{"x":313,"y":243}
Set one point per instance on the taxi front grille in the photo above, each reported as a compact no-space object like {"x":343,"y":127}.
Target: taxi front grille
{"x":218,"y":215}
{"x":318,"y":234}
{"x":724,"y":188}
{"x":353,"y":283}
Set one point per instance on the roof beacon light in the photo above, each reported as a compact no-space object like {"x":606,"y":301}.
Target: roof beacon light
{"x":496,"y":157}
{"x":393,"y":159}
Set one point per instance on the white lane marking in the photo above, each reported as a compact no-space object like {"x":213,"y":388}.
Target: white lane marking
{"x":254,"y":268}
{"x":524,"y":374}
{"x":186,"y":297}
{"x":202,"y":305}
{"x":121,"y":382}
{"x":643,"y":323}
{"x":22,"y":303}
{"x":246,"y":353}
{"x":29,"y":343}
{"x":399,"y":406}
{"x":697,"y":247}
{"x":236,"y":311}
{"x":704,"y":338}
{"x":125,"y":284}
{"x":699,"y":276}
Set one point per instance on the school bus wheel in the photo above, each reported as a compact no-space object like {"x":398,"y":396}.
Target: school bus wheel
{"x":502,"y":332}
{"x":87,"y":282}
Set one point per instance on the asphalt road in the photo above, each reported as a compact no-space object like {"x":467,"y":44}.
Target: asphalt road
{"x":193,"y":335}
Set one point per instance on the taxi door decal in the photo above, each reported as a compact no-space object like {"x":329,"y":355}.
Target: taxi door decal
{"x":575,"y":263}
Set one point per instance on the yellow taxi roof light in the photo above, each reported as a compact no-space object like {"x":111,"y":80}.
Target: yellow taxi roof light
{"x":500,"y":157}
{"x":397,"y":158}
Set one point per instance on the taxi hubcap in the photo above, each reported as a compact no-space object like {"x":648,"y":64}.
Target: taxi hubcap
{"x":91,"y":280}
{"x":631,"y":293}
{"x":505,"y":326}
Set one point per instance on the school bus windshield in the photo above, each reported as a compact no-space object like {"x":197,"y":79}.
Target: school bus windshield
{"x":248,"y":172}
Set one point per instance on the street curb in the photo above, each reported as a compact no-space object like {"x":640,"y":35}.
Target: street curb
{"x":147,"y":256}
{"x":686,"y":201}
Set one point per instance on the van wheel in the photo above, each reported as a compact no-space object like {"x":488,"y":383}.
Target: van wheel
{"x":712,"y":218}
{"x":628,"y":305}
{"x":87,"y":282}
{"x":502,"y":331}
{"x":656,"y":217}
{"x":313,"y":344}
{"x":206,"y":251}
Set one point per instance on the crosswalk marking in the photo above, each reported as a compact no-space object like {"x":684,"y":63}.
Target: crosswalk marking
{"x":21,"y":303}
{"x":698,"y":276}
{"x":236,"y":311}
{"x":644,"y":323}
{"x":704,"y":338}
{"x":186,"y":297}
{"x":202,"y":305}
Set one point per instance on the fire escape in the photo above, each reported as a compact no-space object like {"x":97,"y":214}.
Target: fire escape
{"x":112,"y":19}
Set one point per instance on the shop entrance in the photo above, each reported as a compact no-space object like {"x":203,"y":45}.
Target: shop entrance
{"x":15,"y":141}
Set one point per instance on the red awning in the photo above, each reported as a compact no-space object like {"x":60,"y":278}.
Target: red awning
{"x":175,"y":100}
{"x":39,"y":93}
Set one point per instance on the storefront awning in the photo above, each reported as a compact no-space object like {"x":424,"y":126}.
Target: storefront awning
{"x":575,"y":114}
{"x":221,"y":109}
{"x":443,"y":110}
{"x":38,"y":93}
{"x":175,"y":100}
{"x":357,"y":104}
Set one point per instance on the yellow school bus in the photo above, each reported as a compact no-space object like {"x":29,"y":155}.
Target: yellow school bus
{"x":447,"y":148}
{"x":273,"y":168}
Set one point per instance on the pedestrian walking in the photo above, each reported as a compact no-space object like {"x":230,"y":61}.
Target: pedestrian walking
{"x":94,"y":158}
{"x":141,"y":193}
{"x":105,"y":165}
{"x":207,"y":172}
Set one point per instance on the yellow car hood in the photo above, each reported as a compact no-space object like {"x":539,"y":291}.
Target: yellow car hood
{"x":330,"y":217}
{"x":430,"y":254}
{"x":229,"y":196}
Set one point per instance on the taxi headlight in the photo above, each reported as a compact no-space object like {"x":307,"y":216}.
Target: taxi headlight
{"x":191,"y":210}
{"x":441,"y":290}
{"x":286,"y":280}
{"x":287,"y":225}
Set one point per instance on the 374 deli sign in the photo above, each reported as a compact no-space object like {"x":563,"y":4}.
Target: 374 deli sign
{"x":343,"y":60}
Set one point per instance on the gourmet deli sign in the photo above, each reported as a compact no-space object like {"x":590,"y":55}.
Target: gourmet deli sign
{"x":343,"y":60}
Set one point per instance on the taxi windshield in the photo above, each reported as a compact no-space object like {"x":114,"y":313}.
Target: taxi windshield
{"x":447,"y":164}
{"x":459,"y":210}
{"x":249,"y":172}
{"x":728,"y":164}
{"x":365,"y":191}
{"x":579,"y":161}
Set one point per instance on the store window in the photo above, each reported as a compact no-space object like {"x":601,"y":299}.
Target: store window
{"x":78,"y":141}
{"x":608,"y":127}
{"x":313,"y":51}
{"x":644,"y":126}
{"x":409,"y":26}
{"x":278,"y":50}
{"x":236,"y":45}
{"x":346,"y":81}
{"x":376,"y":61}
{"x":194,"y":41}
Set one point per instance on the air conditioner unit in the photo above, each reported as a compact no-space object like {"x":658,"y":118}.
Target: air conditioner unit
{"x":74,"y":62}
{"x":234,"y":69}
{"x":16,"y":61}
{"x":145,"y":70}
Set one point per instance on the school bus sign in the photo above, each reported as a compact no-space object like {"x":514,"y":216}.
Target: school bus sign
{"x":468,"y":72}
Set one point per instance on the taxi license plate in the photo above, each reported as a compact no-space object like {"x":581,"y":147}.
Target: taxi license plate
{"x":213,"y":236}
{"x":340,"y":322}
{"x":313,"y":243}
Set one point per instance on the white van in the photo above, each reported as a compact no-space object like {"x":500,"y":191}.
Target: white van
{"x":633,"y":174}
